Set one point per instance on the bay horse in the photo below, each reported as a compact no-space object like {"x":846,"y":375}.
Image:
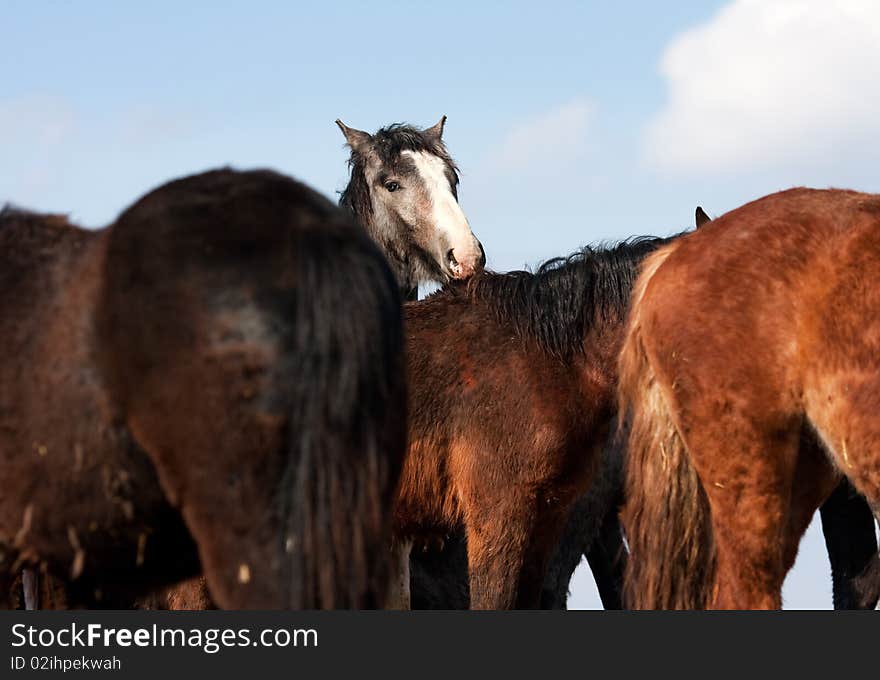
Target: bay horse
{"x":212,"y":383}
{"x":511,"y":382}
{"x":749,"y":380}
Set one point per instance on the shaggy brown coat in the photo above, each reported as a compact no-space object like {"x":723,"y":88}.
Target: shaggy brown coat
{"x":751,"y":380}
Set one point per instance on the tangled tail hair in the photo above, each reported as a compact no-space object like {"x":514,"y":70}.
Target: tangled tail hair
{"x":348,"y":424}
{"x":666,"y":514}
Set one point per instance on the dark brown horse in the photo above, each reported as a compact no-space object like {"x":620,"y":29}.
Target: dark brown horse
{"x":512,"y":393}
{"x":750,"y":378}
{"x":214,"y":381}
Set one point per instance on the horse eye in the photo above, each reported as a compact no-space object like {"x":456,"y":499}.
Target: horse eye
{"x":392,"y":186}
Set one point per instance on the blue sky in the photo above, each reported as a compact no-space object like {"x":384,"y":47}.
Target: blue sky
{"x":572,"y":122}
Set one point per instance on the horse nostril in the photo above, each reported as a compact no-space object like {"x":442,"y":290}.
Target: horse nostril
{"x":450,"y":258}
{"x":482,"y":255}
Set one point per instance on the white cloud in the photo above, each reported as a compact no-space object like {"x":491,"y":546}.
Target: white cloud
{"x":557,"y":136}
{"x":769,"y":84}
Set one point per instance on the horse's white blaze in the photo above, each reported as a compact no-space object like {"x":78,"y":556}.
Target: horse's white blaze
{"x":451,"y":224}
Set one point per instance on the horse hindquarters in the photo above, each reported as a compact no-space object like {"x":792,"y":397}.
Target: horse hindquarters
{"x":265,"y":383}
{"x":341,"y":447}
{"x":842,"y":384}
{"x":708,"y":482}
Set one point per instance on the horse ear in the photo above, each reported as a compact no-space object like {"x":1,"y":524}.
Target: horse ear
{"x":357,"y":139}
{"x":436,"y":130}
{"x":701,"y":217}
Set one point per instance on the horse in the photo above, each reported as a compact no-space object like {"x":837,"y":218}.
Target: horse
{"x":506,"y":457}
{"x":748,"y":389}
{"x":213,"y":383}
{"x":403,"y":190}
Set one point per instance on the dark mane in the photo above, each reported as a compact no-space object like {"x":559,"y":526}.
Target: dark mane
{"x":388,"y":143}
{"x":556,"y":305}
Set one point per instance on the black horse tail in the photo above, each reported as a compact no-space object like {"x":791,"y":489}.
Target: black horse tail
{"x":347,"y":428}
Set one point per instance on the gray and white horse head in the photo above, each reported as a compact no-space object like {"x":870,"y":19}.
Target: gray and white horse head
{"x":404,"y":191}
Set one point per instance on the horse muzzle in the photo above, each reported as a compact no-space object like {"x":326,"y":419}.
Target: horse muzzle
{"x":463,"y":267}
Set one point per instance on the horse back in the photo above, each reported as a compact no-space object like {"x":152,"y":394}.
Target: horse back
{"x":757,"y":276}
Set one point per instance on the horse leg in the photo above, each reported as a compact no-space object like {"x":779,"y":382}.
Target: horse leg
{"x":10,"y":591}
{"x":544,"y":538}
{"x":398,"y":587}
{"x":748,"y":533}
{"x":746,"y":470}
{"x":847,"y":522}
{"x":866,"y":586}
{"x":607,"y":559}
{"x":842,"y":407}
{"x":439,"y":576}
{"x":497,"y":547}
{"x":189,"y":595}
{"x":31,"y":586}
{"x":848,"y":525}
{"x":579,"y":534}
